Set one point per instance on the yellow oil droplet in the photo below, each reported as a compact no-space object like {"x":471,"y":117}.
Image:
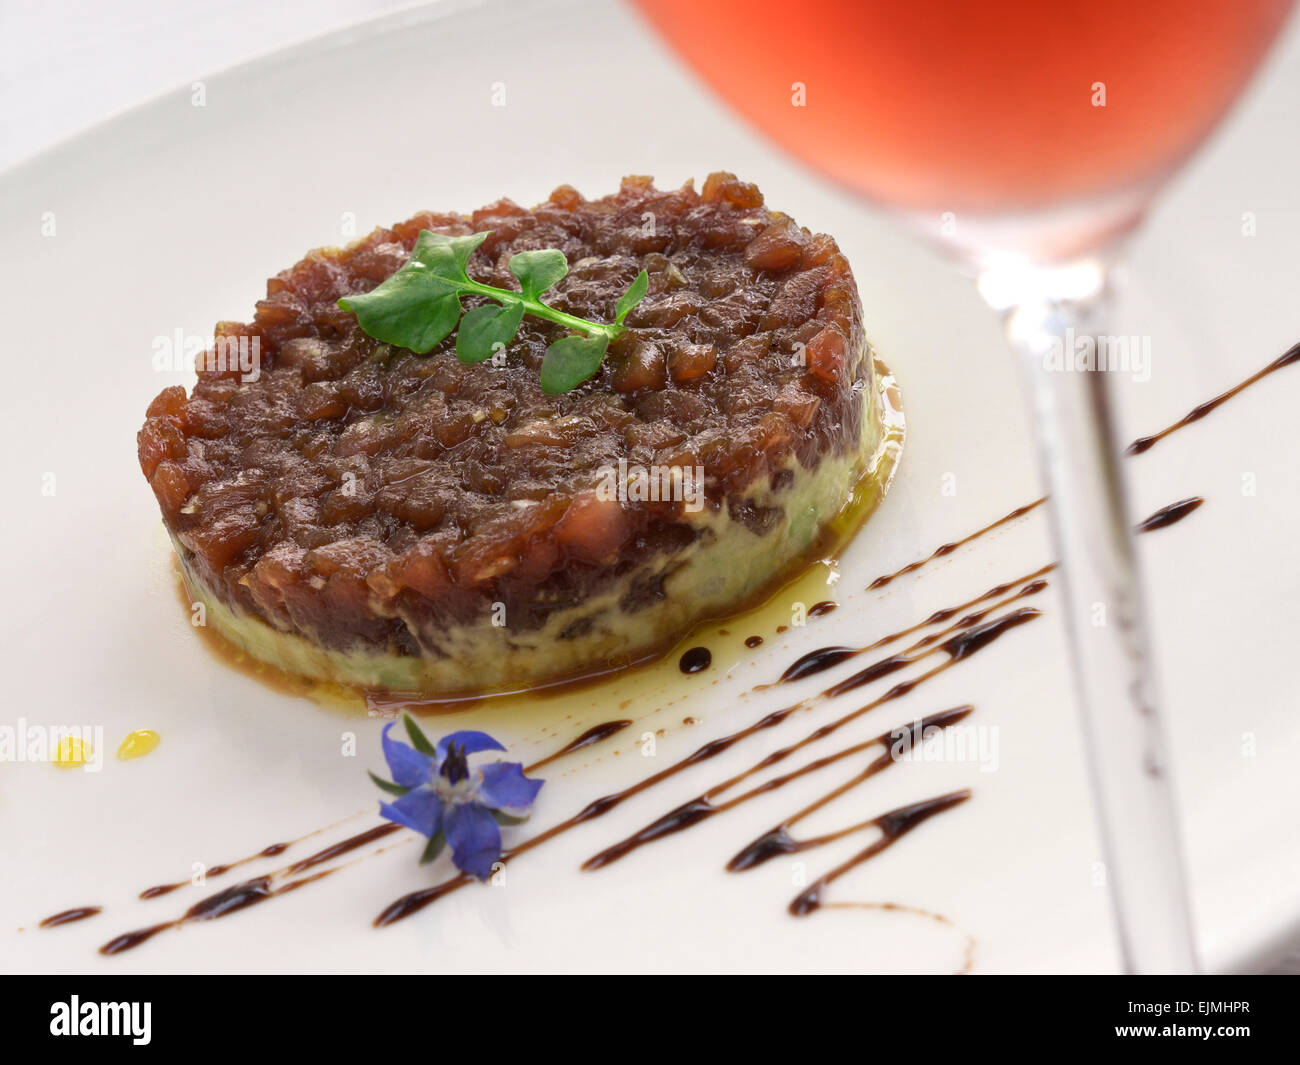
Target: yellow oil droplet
{"x":72,"y":753}
{"x":137,"y":744}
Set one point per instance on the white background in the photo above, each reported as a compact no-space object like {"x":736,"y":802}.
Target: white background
{"x":66,"y":65}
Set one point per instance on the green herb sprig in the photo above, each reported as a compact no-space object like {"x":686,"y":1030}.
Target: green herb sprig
{"x":419,"y":306}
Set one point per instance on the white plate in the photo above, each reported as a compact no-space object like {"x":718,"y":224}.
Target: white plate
{"x":171,"y":216}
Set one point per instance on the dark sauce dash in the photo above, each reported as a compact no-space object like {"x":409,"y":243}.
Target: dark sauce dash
{"x":753,"y":641}
{"x":1145,"y":443}
{"x":826,"y":606}
{"x":235,"y":897}
{"x":968,"y":643}
{"x":592,"y":735}
{"x":385,"y":828}
{"x":1174,"y":512}
{"x":130,"y":940}
{"x":816,"y":661}
{"x":68,"y":916}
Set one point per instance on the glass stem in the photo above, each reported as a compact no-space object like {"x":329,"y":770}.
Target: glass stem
{"x":1053,"y":318}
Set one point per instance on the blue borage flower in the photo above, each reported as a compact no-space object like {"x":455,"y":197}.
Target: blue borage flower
{"x":447,"y":800}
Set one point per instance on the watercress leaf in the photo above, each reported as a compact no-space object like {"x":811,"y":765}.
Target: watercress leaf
{"x":483,"y":328}
{"x":412,"y":309}
{"x":570,"y":361}
{"x":444,"y":313}
{"x":446,"y":256}
{"x":634,"y":295}
{"x":464,"y":247}
{"x":388,"y":785}
{"x":538,"y":270}
{"x":434,"y":847}
{"x":418,"y":739}
{"x":433,"y":252}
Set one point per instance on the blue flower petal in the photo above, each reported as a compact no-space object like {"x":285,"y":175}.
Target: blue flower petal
{"x":505,"y":787}
{"x":409,"y":767}
{"x":419,"y":810}
{"x":469,"y":739}
{"x":474,"y":837}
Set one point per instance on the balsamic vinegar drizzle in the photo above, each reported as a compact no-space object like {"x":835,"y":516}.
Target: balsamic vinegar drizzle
{"x":1141,"y":444}
{"x":893,"y":826}
{"x":949,"y":548}
{"x":1145,"y":443}
{"x":778,"y":840}
{"x":233,"y":899}
{"x":960,"y":640}
{"x":1168,"y":515}
{"x":385,"y":828}
{"x":824,"y":658}
{"x":592,"y":735}
{"x":958,"y":647}
{"x":698,"y":809}
{"x":217,"y":870}
{"x":966,"y":642}
{"x":259,"y":889}
{"x":80,"y":913}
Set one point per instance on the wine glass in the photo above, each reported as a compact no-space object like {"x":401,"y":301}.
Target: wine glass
{"x":1028,"y":136}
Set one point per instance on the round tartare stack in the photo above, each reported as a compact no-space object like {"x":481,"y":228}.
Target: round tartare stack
{"x":353,"y":512}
